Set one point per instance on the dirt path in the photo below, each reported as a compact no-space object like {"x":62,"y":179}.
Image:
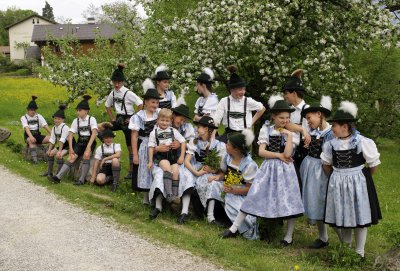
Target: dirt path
{"x":40,"y":232}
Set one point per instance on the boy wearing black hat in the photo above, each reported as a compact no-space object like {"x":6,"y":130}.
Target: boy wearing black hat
{"x":59,"y":133}
{"x":235,"y":111}
{"x":107,"y":159}
{"x":122,"y":99}
{"x":31,"y":123}
{"x":86,"y":128}
{"x":161,"y":77}
{"x":208,"y":101}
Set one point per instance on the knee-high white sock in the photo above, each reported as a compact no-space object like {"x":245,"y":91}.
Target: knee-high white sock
{"x":361,"y":237}
{"x":159,"y":202}
{"x":238,"y":222}
{"x":146,"y":199}
{"x":323,"y":234}
{"x":185,"y":204}
{"x":210,"y":211}
{"x":346,"y":236}
{"x":339,"y":233}
{"x":290,"y":229}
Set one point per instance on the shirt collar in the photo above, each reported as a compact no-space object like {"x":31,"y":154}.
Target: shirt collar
{"x":237,"y":100}
{"x":85,"y":118}
{"x":300,"y":105}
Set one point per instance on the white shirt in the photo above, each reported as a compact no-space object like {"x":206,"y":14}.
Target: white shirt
{"x":116,"y":101}
{"x":295,"y":117}
{"x":83,"y":123}
{"x":32,"y":122}
{"x":187,"y":130}
{"x":164,"y":136}
{"x":206,"y":105}
{"x":237,"y":106}
{"x":62,"y":131}
{"x":108,"y":149}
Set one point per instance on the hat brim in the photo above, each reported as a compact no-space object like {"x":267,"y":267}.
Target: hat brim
{"x":151,"y":97}
{"x":310,"y":109}
{"x":157,"y":78}
{"x":203,"y":124}
{"x":342,"y":120}
{"x":180,"y":113}
{"x":293,"y":89}
{"x":237,"y":85}
{"x":279,"y":110}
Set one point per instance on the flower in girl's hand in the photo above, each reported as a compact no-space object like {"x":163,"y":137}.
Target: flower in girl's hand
{"x":280,"y":129}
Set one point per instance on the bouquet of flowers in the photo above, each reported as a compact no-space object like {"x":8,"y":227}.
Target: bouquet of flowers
{"x":213,"y":160}
{"x":232,"y":178}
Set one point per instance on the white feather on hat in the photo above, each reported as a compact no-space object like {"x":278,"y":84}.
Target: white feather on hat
{"x":181,"y":98}
{"x":147,"y":84}
{"x":273,"y":99}
{"x":248,"y":136}
{"x":209,"y":72}
{"x":326,"y":102}
{"x":349,"y":107}
{"x":161,"y":68}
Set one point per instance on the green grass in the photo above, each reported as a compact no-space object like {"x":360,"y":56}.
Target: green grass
{"x":201,"y":239}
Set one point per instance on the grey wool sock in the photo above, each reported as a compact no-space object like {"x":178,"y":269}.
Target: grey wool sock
{"x":175,"y":187}
{"x":115,"y":172}
{"x":50,"y":166}
{"x":84,"y":170}
{"x":167,"y":183}
{"x":34,"y":154}
{"x":60,"y":163}
{"x":64,"y":169}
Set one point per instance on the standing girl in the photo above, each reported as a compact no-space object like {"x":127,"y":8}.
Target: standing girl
{"x":167,"y":97}
{"x":207,"y":103}
{"x":351,"y":199}
{"x":275,"y":191}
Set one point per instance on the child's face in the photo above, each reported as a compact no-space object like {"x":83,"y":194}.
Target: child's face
{"x":202,"y":130}
{"x":31,"y":112}
{"x":238,"y":93}
{"x":163,"y":84}
{"x":178,"y":121}
{"x":340,"y":130}
{"x":108,"y":140}
{"x":200,"y":87}
{"x":314,"y":119}
{"x":118,"y":84}
{"x":82,"y":113}
{"x":163,"y":122}
{"x":152,"y":104}
{"x":57,"y":120}
{"x":281,"y":119}
{"x":290,"y":97}
{"x":229,"y":148}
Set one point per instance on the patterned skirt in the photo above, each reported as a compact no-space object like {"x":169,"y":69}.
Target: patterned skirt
{"x":158,"y":182}
{"x":186,"y":178}
{"x":144,"y":175}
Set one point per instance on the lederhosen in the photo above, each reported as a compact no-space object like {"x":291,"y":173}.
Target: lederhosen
{"x":35,"y":133}
{"x":350,"y":159}
{"x":122,"y":120}
{"x":235,"y":115}
{"x":107,"y":167}
{"x":82,"y":141}
{"x":171,"y":155}
{"x":58,"y":137}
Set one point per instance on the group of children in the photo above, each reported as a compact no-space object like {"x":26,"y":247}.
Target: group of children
{"x":310,"y":166}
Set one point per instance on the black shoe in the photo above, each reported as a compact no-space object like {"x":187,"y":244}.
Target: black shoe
{"x":45,"y":174}
{"x":319,"y":244}
{"x":228,"y":234}
{"x":153,"y":215}
{"x":78,"y":182}
{"x":128,"y":176}
{"x":217,"y":223}
{"x":114,"y":187}
{"x":286,"y":243}
{"x":182,"y":219}
{"x":54,"y":179}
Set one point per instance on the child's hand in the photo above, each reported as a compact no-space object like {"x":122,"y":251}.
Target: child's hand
{"x":228,"y":189}
{"x":59,"y":155}
{"x":207,"y":169}
{"x":307,"y":138}
{"x":48,"y":152}
{"x":92,"y":180}
{"x":150,"y":165}
{"x":87,"y":153}
{"x":201,"y":172}
{"x":102,"y":163}
{"x":180,"y":161}
{"x":163,"y":148}
{"x":33,"y":140}
{"x":212,"y":179}
{"x":71,"y":154}
{"x":284,"y":131}
{"x":135,"y":160}
{"x":285,"y":159}
{"x":175,"y":145}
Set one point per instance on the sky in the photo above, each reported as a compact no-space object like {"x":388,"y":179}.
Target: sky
{"x":65,"y":9}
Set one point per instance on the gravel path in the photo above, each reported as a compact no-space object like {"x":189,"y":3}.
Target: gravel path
{"x":41,"y":232}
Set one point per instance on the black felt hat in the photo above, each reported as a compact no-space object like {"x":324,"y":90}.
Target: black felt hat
{"x":206,"y":77}
{"x":118,"y":74}
{"x":107,"y":132}
{"x":60,"y":112}
{"x":161,"y":73}
{"x":84,"y":104}
{"x":182,"y":110}
{"x":235,"y":81}
{"x":324,"y":106}
{"x":206,"y":121}
{"x":277,"y":104}
{"x":32,"y":104}
{"x":347,"y":112}
{"x":242,"y":140}
{"x":150,"y":91}
{"x":294,"y":82}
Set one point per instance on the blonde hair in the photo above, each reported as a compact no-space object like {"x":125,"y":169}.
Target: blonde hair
{"x":104,"y":125}
{"x":165,"y":113}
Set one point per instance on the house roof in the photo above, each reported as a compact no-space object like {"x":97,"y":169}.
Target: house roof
{"x":80,"y":31}
{"x":5,"y":49}
{"x":29,"y":17}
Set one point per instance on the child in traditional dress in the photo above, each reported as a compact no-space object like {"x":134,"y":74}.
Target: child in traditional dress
{"x":238,"y":165}
{"x":59,"y":134}
{"x":163,"y":160}
{"x":314,"y":179}
{"x":207,"y":103}
{"x":161,"y":77}
{"x":86,"y":128}
{"x":351,"y":199}
{"x":107,"y":157}
{"x":31,"y":123}
{"x":180,"y":117}
{"x":195,"y":174}
{"x":141,"y":124}
{"x":236,"y":110}
{"x":275,"y":191}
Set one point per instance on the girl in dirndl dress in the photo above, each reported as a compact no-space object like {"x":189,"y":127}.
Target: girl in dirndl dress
{"x":351,"y":199}
{"x":275,"y":191}
{"x":142,"y":124}
{"x":195,"y":174}
{"x":167,"y":96}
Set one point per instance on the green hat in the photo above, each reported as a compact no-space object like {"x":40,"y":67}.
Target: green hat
{"x":60,"y":112}
{"x":150,"y":90}
{"x":182,"y":110}
{"x":84,"y":104}
{"x":325,"y":106}
{"x":206,"y":121}
{"x":242,"y":140}
{"x":118,"y":74}
{"x":206,"y":77}
{"x":235,"y":81}
{"x":347,"y":112}
{"x":277,"y":104}
{"x":32,"y":104}
{"x":294,"y":82}
{"x":161,"y":73}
